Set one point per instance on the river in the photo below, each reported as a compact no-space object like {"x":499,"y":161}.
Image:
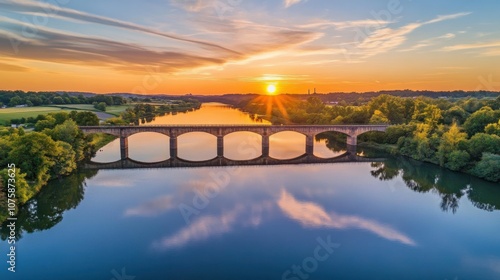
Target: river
{"x":395,"y":219}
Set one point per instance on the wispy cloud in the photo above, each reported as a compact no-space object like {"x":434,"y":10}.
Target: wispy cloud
{"x":42,"y":7}
{"x":481,"y":45}
{"x":385,"y":39}
{"x":346,"y":24}
{"x":194,"y":5}
{"x":310,"y":214}
{"x":289,"y":3}
{"x":430,"y":42}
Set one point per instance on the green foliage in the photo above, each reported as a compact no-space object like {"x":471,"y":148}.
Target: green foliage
{"x":455,"y":114}
{"x":115,"y":121}
{"x":70,"y":133}
{"x":24,"y":191}
{"x":34,"y":154}
{"x":493,"y":128}
{"x":449,"y":143}
{"x":48,"y":123}
{"x":85,"y":118}
{"x":483,"y":143}
{"x":101,"y":106}
{"x":488,"y":167}
{"x":480,"y":119}
{"x":378,"y":117}
{"x":456,"y":160}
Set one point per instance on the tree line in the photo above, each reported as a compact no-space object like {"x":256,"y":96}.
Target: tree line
{"x":145,"y":112}
{"x":31,"y":98}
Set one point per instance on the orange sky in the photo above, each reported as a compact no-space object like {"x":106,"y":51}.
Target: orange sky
{"x":180,"y":47}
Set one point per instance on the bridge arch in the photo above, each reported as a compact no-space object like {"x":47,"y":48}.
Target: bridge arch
{"x":242,"y":145}
{"x":202,"y":142}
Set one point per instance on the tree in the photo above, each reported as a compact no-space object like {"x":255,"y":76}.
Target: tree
{"x":449,"y":143}
{"x":483,"y":143}
{"x":480,"y":119}
{"x":24,"y":191}
{"x":101,"y":106}
{"x":456,"y":160}
{"x":65,"y":163}
{"x":34,"y":153}
{"x":14,"y":101}
{"x":70,"y":133}
{"x":378,"y":117}
{"x":455,"y":114}
{"x":48,"y":123}
{"x":488,"y":168}
{"x":58,"y":100}
{"x":493,"y":128}
{"x":59,"y":117}
{"x":86,"y":118}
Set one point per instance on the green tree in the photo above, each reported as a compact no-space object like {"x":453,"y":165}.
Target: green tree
{"x":488,"y":168}
{"x":455,"y":114}
{"x":449,"y":142}
{"x":24,"y":191}
{"x":378,"y":117}
{"x":456,"y":160}
{"x":58,"y":100}
{"x":48,"y":123}
{"x":34,"y":154}
{"x":66,"y":162}
{"x":101,"y":106}
{"x":483,"y":143}
{"x":480,"y":119}
{"x":493,"y":128}
{"x":86,"y":118}
{"x":70,"y":133}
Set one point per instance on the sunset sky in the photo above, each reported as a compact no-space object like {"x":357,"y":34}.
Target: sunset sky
{"x":241,"y":46}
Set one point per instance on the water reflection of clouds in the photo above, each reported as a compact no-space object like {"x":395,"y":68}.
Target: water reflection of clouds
{"x":310,"y":214}
{"x":208,"y":226}
{"x":153,"y":207}
{"x":113,"y":182}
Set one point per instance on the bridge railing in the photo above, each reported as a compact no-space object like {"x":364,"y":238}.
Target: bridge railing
{"x":233,"y":125}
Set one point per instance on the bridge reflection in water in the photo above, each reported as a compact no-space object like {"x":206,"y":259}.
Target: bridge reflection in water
{"x":349,"y":156}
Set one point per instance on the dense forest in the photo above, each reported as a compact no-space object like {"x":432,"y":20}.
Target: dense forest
{"x":462,"y":135}
{"x":53,"y":150}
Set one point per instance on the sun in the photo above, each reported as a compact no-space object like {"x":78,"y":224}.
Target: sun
{"x":271,"y":89}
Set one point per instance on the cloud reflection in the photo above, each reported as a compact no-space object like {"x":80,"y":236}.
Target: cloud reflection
{"x":212,"y":225}
{"x":152,"y":208}
{"x":312,"y":215}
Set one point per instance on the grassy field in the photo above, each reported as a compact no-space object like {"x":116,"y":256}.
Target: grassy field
{"x":116,"y":110}
{"x":112,"y":110}
{"x":16,"y":113}
{"x":8,"y":114}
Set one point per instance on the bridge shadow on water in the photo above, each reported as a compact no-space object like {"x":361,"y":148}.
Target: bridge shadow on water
{"x":222,"y":161}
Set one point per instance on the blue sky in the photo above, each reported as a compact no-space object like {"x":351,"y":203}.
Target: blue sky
{"x":221,"y":46}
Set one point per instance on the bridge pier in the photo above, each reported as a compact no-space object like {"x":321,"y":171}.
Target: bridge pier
{"x":265,"y":145}
{"x":220,"y":146}
{"x":352,"y":140}
{"x":123,"y":147}
{"x":309,"y":144}
{"x":173,"y":147}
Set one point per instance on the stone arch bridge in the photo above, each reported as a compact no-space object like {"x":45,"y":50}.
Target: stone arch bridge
{"x":219,"y":131}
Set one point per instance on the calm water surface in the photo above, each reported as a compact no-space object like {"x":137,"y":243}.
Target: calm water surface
{"x":397,"y":219}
